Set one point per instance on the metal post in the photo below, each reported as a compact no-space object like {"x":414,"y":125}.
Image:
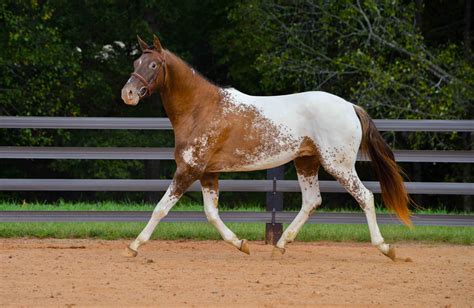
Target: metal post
{"x":274,"y":200}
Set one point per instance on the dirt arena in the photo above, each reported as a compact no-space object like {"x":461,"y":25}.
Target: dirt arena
{"x":93,"y":272}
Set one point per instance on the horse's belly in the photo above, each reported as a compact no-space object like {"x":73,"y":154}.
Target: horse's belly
{"x":267,"y":163}
{"x":250,"y":161}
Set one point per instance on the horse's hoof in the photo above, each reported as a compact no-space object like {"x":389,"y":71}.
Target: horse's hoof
{"x":130,"y":253}
{"x":277,"y":252}
{"x":391,"y":253}
{"x":244,"y":247}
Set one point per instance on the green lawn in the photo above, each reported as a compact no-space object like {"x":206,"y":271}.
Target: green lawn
{"x":205,"y":231}
{"x":250,"y":231}
{"x":181,"y":206}
{"x":111,"y":206}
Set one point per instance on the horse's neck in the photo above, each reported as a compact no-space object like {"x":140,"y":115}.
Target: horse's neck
{"x":186,"y":94}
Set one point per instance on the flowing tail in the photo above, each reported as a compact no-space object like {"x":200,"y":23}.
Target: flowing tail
{"x":394,"y":193}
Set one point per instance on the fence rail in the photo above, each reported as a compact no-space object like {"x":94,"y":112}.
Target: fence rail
{"x":274,"y":186}
{"x":442,"y":188}
{"x":262,"y":217}
{"x":9,"y":152}
{"x":168,"y":154}
{"x":164,"y":124}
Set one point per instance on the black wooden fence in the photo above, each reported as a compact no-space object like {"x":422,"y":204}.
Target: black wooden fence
{"x":274,"y":186}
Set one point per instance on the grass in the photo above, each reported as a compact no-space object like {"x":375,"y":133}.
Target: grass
{"x":112,"y":206}
{"x":205,"y":231}
{"x":250,"y":231}
{"x":180,"y":206}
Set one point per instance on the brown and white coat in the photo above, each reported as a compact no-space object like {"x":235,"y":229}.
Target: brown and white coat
{"x":222,"y":129}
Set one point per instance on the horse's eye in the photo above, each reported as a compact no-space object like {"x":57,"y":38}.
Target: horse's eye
{"x":153,"y":65}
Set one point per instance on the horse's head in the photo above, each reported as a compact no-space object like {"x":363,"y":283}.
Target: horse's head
{"x":149,"y":73}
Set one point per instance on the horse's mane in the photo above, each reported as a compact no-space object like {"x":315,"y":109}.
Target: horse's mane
{"x":191,"y":68}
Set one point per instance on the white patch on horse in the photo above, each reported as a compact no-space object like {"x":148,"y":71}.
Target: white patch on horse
{"x":188,"y":157}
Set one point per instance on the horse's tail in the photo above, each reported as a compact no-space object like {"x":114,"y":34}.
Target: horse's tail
{"x":394,"y":193}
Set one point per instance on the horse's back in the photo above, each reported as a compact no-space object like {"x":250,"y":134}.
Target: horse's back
{"x":317,"y":114}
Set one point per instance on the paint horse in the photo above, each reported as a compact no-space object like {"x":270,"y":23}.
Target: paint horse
{"x":222,"y":130}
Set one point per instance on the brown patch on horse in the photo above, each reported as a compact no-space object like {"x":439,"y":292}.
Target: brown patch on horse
{"x":244,"y":136}
{"x":307,"y":166}
{"x":213,"y":131}
{"x":210,"y":181}
{"x":308,"y":148}
{"x":186,"y":95}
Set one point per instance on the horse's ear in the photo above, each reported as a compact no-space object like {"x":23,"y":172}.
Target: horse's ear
{"x":157,"y":43}
{"x":143,"y":45}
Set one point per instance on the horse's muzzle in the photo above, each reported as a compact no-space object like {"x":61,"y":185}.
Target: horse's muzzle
{"x":130,"y":96}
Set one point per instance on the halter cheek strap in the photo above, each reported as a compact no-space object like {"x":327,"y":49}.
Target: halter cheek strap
{"x":143,"y":80}
{"x":148,"y":84}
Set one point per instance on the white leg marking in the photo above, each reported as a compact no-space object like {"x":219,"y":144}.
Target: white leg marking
{"x":369,"y":210}
{"x":210,"y":198}
{"x":311,"y":200}
{"x":351,"y":182}
{"x":160,"y":211}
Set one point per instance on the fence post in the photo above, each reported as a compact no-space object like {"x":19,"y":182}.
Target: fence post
{"x":274,"y":200}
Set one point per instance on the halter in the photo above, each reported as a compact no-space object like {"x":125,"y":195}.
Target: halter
{"x":146,"y":89}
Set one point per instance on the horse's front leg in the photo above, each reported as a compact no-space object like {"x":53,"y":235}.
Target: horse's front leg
{"x":181,"y":182}
{"x":210,"y":194}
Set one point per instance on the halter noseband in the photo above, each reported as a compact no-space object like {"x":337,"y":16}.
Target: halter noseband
{"x":148,"y":84}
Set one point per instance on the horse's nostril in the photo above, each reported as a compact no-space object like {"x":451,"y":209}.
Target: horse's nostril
{"x":130,"y":92}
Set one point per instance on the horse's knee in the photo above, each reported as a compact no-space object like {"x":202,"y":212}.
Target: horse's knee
{"x":212,"y":219}
{"x":159,"y":214}
{"x":309,"y":209}
{"x":318,"y":201}
{"x":310,"y":206}
{"x":212,"y":216}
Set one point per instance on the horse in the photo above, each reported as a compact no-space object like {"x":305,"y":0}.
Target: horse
{"x":224,"y":130}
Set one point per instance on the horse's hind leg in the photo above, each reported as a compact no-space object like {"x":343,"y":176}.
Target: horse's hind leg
{"x":307,"y":169}
{"x":347,"y":177}
{"x":210,"y":194}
